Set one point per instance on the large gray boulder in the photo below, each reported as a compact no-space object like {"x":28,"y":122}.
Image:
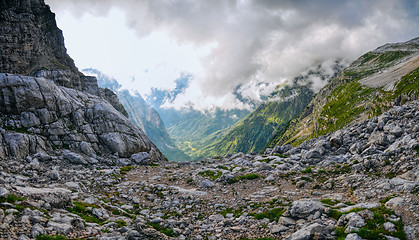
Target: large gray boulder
{"x":304,"y":208}
{"x":313,"y":231}
{"x":55,"y":197}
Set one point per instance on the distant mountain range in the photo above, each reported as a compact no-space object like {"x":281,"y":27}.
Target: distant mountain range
{"x":142,"y":115}
{"x":293,"y":113}
{"x":253,"y":133}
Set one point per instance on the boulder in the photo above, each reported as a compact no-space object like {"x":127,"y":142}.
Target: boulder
{"x":140,"y":158}
{"x":313,"y":231}
{"x":304,"y":208}
{"x":336,"y":139}
{"x":56,"y":197}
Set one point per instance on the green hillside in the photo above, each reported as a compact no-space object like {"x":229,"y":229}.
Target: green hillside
{"x":375,"y":82}
{"x":201,"y":129}
{"x":253,"y":132}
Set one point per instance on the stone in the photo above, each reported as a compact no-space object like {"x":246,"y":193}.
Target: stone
{"x":23,"y":237}
{"x":353,"y":236}
{"x":395,"y":202}
{"x":304,"y":208}
{"x":286,"y":221}
{"x":270,"y":178}
{"x":367,"y":205}
{"x":72,"y":185}
{"x":265,"y":167}
{"x":69,"y":118}
{"x":60,"y":228}
{"x":389,"y":226}
{"x":100,"y":213}
{"x":336,"y":139}
{"x":4,"y":192}
{"x":206,"y":184}
{"x":313,"y":231}
{"x":37,"y":230}
{"x":313,"y":153}
{"x":351,"y":220}
{"x":141,"y":158}
{"x":378,"y":138}
{"x":278,"y":229}
{"x":73,"y":158}
{"x":56,"y":197}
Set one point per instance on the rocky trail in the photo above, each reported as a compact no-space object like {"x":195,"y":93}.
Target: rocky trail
{"x":360,"y":182}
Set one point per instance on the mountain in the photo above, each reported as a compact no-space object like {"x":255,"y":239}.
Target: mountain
{"x":252,"y":133}
{"x":372,"y":84}
{"x":74,"y":167}
{"x":48,"y":108}
{"x":142,"y":115}
{"x":191,"y":129}
{"x":194,"y":130}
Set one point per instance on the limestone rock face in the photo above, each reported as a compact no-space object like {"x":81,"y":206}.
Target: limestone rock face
{"x":38,"y":116}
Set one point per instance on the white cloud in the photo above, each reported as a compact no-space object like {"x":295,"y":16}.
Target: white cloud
{"x":247,"y":44}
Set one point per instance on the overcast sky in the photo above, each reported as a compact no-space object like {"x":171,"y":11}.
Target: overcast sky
{"x":224,"y":45}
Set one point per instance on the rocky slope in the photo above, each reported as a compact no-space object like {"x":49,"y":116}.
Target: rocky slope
{"x":56,"y":109}
{"x":143,"y":116}
{"x":357,"y":183}
{"x":372,"y":84}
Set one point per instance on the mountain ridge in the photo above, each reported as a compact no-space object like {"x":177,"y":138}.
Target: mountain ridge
{"x":347,"y":94}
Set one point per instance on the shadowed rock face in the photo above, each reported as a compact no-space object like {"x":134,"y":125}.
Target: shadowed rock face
{"x":46,"y":104}
{"x":31,"y":40}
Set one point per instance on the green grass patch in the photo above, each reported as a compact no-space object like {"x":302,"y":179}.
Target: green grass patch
{"x":167,"y":231}
{"x":120,"y":223}
{"x":124,"y":170}
{"x":210,"y":174}
{"x":83,"y":210}
{"x":249,"y":176}
{"x":236,"y":212}
{"x":11,"y":199}
{"x":340,"y":233}
{"x":330,"y":202}
{"x":272,"y":214}
{"x":48,"y":237}
{"x":306,"y":170}
{"x":386,"y":199}
{"x":222,"y":167}
{"x":334,"y":214}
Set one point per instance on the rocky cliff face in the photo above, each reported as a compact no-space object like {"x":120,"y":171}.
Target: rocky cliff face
{"x":31,"y":41}
{"x":48,"y":106}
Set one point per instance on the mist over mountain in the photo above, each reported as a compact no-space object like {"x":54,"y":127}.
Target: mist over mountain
{"x":248,"y":47}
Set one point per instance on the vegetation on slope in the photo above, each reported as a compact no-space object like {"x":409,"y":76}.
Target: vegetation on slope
{"x":253,"y":132}
{"x":200,"y":130}
{"x":345,"y":99}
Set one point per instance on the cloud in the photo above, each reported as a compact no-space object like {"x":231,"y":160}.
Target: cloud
{"x":258,"y":44}
{"x":159,"y":97}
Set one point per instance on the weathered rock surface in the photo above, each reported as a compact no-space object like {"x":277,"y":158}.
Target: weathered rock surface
{"x":176,"y":201}
{"x":39,"y":116}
